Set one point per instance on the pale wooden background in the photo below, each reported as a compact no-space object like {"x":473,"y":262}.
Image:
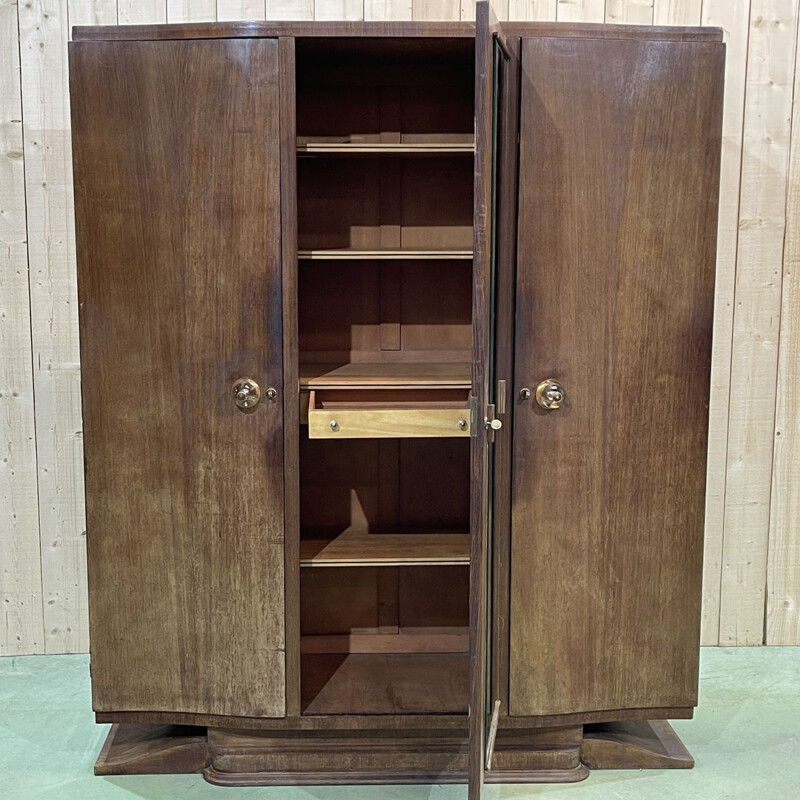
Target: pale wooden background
{"x":752,"y":571}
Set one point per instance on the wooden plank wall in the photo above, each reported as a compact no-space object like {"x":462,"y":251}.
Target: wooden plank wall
{"x":752,"y":569}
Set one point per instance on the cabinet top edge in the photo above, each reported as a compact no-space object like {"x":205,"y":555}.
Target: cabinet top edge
{"x":398,"y":29}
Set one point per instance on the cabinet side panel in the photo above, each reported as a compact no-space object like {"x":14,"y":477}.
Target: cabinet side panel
{"x":176,"y":156}
{"x":619,"y":171}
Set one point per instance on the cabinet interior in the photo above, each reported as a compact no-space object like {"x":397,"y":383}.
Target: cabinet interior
{"x":385,"y":147}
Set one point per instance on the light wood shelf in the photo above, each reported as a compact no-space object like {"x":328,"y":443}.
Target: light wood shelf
{"x":312,"y":148}
{"x":396,"y":375}
{"x":405,"y":683}
{"x":349,"y":255}
{"x":358,"y":548}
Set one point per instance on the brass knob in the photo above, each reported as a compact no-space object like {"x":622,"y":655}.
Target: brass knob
{"x":246,"y":393}
{"x":494,"y":424}
{"x":550,"y":394}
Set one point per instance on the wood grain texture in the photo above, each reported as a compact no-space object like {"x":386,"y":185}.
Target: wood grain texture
{"x":735,"y":19}
{"x":21,"y":618}
{"x":756,"y":319}
{"x":580,"y":10}
{"x":376,"y":683}
{"x":681,"y":12}
{"x":184,"y":492}
{"x":241,"y":10}
{"x":139,"y":12}
{"x":291,"y":412}
{"x":633,"y":12}
{"x":152,"y":750}
{"x":54,"y":323}
{"x":479,"y":445}
{"x":782,"y":625}
{"x":103,"y":12}
{"x":617,"y":224}
{"x":532,"y":10}
{"x":635,"y":744}
{"x":190,"y":11}
{"x":353,"y":548}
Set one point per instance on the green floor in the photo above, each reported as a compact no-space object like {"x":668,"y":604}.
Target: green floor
{"x":745,"y":738}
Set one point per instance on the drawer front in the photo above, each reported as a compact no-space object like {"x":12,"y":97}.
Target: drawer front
{"x":387,"y":423}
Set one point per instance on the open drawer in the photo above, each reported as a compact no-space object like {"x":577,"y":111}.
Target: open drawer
{"x":387,"y":413}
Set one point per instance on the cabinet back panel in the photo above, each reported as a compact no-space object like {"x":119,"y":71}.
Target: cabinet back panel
{"x":385,"y":89}
{"x":619,"y":170}
{"x":385,"y":311}
{"x":178,"y":229}
{"x":385,"y":203}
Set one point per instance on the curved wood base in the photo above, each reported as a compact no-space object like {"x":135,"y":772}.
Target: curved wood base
{"x":636,"y":744}
{"x":286,"y":758}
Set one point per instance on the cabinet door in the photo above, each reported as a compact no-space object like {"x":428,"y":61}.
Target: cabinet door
{"x":618,"y":183}
{"x":482,"y":322}
{"x":176,"y":157}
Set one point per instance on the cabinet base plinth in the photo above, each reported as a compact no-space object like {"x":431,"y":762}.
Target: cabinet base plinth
{"x":424,"y":756}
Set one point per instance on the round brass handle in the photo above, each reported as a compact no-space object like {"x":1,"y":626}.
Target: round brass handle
{"x":246,"y":393}
{"x":550,"y":394}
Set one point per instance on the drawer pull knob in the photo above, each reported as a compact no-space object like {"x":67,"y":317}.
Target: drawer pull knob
{"x":246,"y":393}
{"x":334,"y":425}
{"x":462,"y":423}
{"x":550,"y":394}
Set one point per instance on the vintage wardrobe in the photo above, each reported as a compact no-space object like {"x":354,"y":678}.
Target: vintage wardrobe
{"x":395,"y":346}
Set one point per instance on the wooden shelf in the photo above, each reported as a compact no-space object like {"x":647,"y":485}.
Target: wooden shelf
{"x":418,"y":683}
{"x":359,"y":548}
{"x":312,"y":148}
{"x":395,"y":375}
{"x":347,"y":254}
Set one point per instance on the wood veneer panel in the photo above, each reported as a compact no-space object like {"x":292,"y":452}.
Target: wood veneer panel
{"x":178,"y":234}
{"x":385,"y":684}
{"x":353,"y":548}
{"x":619,"y":174}
{"x":390,"y":375}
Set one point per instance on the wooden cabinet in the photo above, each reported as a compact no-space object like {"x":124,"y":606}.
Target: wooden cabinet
{"x":334,"y":535}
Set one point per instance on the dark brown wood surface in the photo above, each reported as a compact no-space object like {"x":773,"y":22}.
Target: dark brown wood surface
{"x":291,"y":409}
{"x":619,"y":159}
{"x":177,"y":197}
{"x":479,"y":448}
{"x":231,"y":30}
{"x":505,"y":282}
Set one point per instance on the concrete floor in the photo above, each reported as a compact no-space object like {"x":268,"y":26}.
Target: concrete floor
{"x":745,"y":739}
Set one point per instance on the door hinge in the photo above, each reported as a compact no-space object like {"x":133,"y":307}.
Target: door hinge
{"x":492,"y":734}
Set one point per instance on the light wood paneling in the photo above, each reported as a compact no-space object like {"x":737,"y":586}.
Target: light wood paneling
{"x":48,"y":346}
{"x":241,"y":9}
{"x":338,"y":9}
{"x":140,"y":12}
{"x":54,"y":329}
{"x":104,"y":12}
{"x":783,"y":565}
{"x":580,"y":10}
{"x":532,"y":10}
{"x":191,"y":10}
{"x":21,"y":625}
{"x":734,"y":19}
{"x":379,"y":10}
{"x":682,"y":12}
{"x":757,"y":311}
{"x":634,"y":12}
{"x":436,"y":9}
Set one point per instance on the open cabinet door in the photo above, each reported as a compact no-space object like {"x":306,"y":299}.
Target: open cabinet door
{"x":177,"y":167}
{"x":483,"y":409}
{"x":618,"y":185}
